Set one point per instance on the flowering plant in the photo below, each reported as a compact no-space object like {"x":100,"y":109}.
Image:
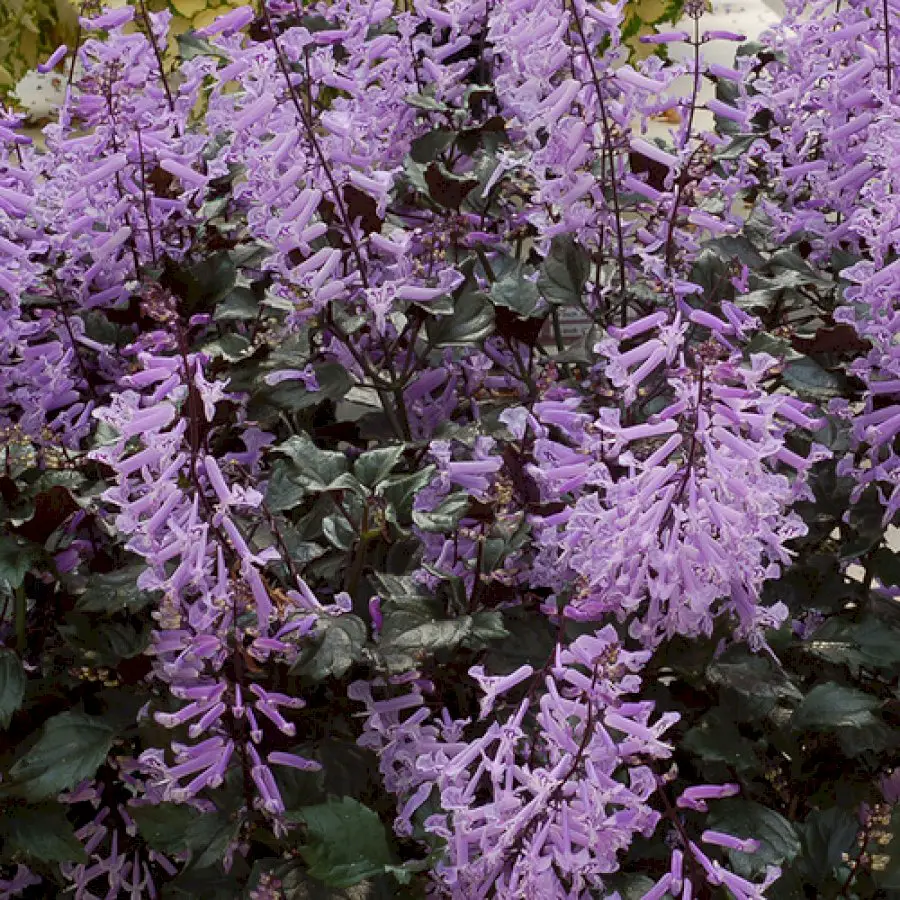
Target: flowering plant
{"x":327,"y":562}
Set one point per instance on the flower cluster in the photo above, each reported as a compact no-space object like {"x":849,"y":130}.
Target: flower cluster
{"x":684,"y":516}
{"x":541,"y":800}
{"x":833,"y":96}
{"x":178,"y":513}
{"x":117,"y":862}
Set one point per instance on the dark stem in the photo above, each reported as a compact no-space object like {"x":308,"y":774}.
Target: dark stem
{"x":607,"y":140}
{"x":307,"y":124}
{"x":857,"y":862}
{"x":108,"y":95}
{"x":887,"y":44}
{"x":672,"y":815}
{"x":689,"y":464}
{"x":146,"y":198}
{"x":359,"y":556}
{"x":21,"y":612}
{"x":85,"y":372}
{"x":684,"y":176}
{"x":75,"y":50}
{"x":156,"y":52}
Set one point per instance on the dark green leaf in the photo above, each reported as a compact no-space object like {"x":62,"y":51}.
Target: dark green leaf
{"x":762,"y":299}
{"x":314,"y":468}
{"x":231,"y":347}
{"x":848,"y":713}
{"x":106,"y":644}
{"x":12,"y":686}
{"x":416,"y":627}
{"x":778,"y":839}
{"x":827,"y":836}
{"x":339,"y":532}
{"x":295,"y":883}
{"x":402,"y":589}
{"x":42,"y":833}
{"x":869,"y":644}
{"x":190,"y":45}
{"x":631,"y":887}
{"x":516,"y":292}
{"x":400,"y":490}
{"x":564,"y":272}
{"x":487,"y":626}
{"x":530,"y":641}
{"x":737,"y":247}
{"x":866,"y":521}
{"x":415,"y":173}
{"x":209,"y":883}
{"x":712,"y":273}
{"x":753,"y":683}
{"x":300,"y":552}
{"x":204,"y":284}
{"x":374,"y":466}
{"x":17,"y":556}
{"x":345,"y":842}
{"x":716,"y":738}
{"x":502,"y":544}
{"x":165,"y":826}
{"x":787,"y":260}
{"x":208,"y":837}
{"x":346,"y":482}
{"x":284,"y":491}
{"x":115,"y":591}
{"x":339,"y":644}
{"x":238,"y":306}
{"x":766,"y":342}
{"x":334,"y":383}
{"x":71,"y":747}
{"x":809,"y":379}
{"x":737,"y":146}
{"x":426,"y":103}
{"x":445,"y":516}
{"x":471,"y":322}
{"x":314,"y":23}
{"x":831,"y":705}
{"x":426,"y":148}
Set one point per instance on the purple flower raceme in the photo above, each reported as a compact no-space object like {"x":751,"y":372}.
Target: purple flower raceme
{"x":854,"y":183}
{"x":546,"y":795}
{"x":16,"y":884}
{"x":117,"y":863}
{"x":678,"y":539}
{"x":183,"y":516}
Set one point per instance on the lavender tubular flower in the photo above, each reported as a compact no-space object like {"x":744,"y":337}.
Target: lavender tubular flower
{"x":719,"y":35}
{"x":660,"y":889}
{"x":696,"y":797}
{"x":229,"y":23}
{"x":749,"y":845}
{"x":653,"y":152}
{"x":665,"y":37}
{"x":187,"y":175}
{"x":113,"y":19}
{"x":55,"y":58}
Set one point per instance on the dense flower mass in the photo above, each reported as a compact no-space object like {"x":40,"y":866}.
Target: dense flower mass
{"x":314,"y":516}
{"x":836,"y":123}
